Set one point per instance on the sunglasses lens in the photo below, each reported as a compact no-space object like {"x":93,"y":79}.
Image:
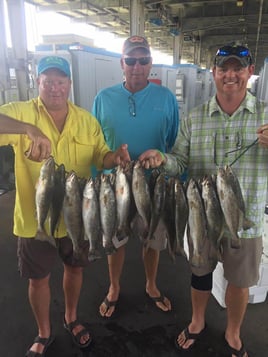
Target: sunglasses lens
{"x":244,"y":52}
{"x":223,"y":52}
{"x":131,"y":61}
{"x":239,"y":51}
{"x":144,"y":60}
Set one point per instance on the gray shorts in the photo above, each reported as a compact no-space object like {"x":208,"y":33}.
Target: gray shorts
{"x":36,"y":258}
{"x":241,"y":266}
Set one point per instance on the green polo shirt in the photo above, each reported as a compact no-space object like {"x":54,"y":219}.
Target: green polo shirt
{"x":207,"y":139}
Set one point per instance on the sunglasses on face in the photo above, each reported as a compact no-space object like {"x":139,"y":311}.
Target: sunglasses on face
{"x":131,"y":61}
{"x":239,"y":51}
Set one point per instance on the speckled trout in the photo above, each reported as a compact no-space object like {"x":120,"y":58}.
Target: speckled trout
{"x":43,"y":198}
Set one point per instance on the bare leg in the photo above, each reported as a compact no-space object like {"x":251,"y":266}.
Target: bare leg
{"x":72,"y":283}
{"x":115,"y":265}
{"x":236,"y":300}
{"x":39,"y":297}
{"x":199,"y":303}
{"x":150,"y":261}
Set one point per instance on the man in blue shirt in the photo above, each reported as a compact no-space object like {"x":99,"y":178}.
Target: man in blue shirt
{"x":143,"y":115}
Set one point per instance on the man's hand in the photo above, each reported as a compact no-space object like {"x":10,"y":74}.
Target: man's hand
{"x":118,"y":157}
{"x":121,"y":155}
{"x":40,"y":148}
{"x":262,"y":133}
{"x":151,"y":159}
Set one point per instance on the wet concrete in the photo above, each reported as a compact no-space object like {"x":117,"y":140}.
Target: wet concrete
{"x":137,"y":330}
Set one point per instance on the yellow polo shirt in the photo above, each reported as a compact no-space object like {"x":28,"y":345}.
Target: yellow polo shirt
{"x":80,"y":144}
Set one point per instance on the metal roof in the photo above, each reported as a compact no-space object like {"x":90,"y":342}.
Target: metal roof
{"x":200,"y":27}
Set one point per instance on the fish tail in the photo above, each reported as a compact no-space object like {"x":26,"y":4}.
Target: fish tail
{"x":44,"y":237}
{"x":198,"y":261}
{"x":110,"y":249}
{"x":94,"y":255}
{"x":235,"y":243}
{"x":247,"y":224}
{"x":172,"y":256}
{"x":180,"y":251}
{"x":170,"y":250}
{"x":146,"y":243}
{"x":77,"y":253}
{"x":121,"y":234}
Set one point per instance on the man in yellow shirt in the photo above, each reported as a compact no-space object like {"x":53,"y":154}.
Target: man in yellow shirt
{"x":51,"y":125}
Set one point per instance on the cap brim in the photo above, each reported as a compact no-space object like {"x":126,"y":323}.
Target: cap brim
{"x":220,"y":60}
{"x":132,"y":48}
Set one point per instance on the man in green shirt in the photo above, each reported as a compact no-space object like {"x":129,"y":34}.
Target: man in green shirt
{"x":211,"y":136}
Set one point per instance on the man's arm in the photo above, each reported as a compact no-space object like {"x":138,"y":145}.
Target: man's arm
{"x":40,"y":147}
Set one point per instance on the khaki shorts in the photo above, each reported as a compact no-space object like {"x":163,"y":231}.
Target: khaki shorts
{"x":158,"y":242}
{"x":241,"y":266}
{"x":36,"y":258}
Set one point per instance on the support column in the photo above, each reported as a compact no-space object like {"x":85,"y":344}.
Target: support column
{"x":19,"y":58}
{"x":4,"y":73}
{"x":136,"y":18}
{"x":177,"y":48}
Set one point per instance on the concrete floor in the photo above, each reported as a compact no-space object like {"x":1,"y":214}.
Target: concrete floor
{"x":138,"y":330}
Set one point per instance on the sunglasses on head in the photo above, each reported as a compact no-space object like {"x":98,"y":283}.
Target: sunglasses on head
{"x":239,"y":51}
{"x":131,"y":61}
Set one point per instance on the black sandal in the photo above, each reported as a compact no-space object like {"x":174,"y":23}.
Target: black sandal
{"x":189,"y":336}
{"x":155,"y":299}
{"x":108,"y":304}
{"x":46,"y":342}
{"x":76,"y":338}
{"x":233,"y":351}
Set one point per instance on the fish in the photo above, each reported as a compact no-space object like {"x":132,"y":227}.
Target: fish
{"x":43,"y":198}
{"x":158,"y":204}
{"x":169,"y":216}
{"x":72,"y":213}
{"x":214,"y":214}
{"x":57,"y":198}
{"x":122,"y":195}
{"x":141,"y":193}
{"x":197,"y":227}
{"x":232,"y":204}
{"x":91,"y":220}
{"x":181,"y":216}
{"x":108,"y":217}
{"x":152,"y":180}
{"x":129,"y":174}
